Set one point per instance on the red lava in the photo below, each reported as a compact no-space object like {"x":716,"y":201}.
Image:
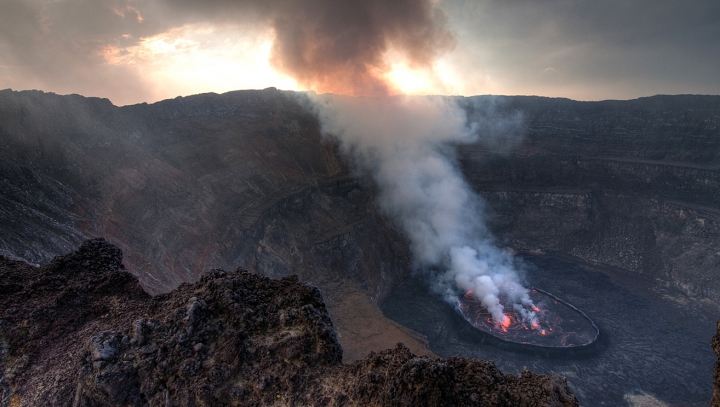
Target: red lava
{"x":559,"y":325}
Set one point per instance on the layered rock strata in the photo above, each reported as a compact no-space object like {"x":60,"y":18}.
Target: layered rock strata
{"x":245,"y":178}
{"x":632,"y":185}
{"x":716,"y":377}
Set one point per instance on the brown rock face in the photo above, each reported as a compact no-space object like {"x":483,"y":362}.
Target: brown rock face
{"x":716,"y":377}
{"x":80,"y":331}
{"x":245,"y":179}
{"x":174,"y":185}
{"x":399,"y":378}
{"x":193,"y":184}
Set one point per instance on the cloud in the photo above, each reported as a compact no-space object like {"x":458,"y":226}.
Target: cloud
{"x":338,"y":46}
{"x":58,"y":46}
{"x":325,"y":45}
{"x":608,"y":49}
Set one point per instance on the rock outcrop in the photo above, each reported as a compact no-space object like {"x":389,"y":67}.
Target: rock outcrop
{"x":716,"y":377}
{"x":81,"y":331}
{"x":191,"y":184}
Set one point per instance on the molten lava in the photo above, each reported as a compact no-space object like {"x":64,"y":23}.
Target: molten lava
{"x":559,"y":324}
{"x":505,"y":323}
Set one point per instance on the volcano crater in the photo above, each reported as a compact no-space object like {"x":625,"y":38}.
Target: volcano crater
{"x":653,"y":337}
{"x":559,"y":325}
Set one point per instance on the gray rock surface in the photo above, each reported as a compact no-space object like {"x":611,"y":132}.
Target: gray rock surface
{"x":245,"y":179}
{"x":80,"y":331}
{"x":628,"y":184}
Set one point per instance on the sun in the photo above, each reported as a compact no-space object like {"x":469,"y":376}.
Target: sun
{"x":407,"y":80}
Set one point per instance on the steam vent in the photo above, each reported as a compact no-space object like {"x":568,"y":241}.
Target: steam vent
{"x":560,"y":324}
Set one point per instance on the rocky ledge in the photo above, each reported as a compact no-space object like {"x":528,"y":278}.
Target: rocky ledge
{"x":716,"y":377}
{"x":80,"y":331}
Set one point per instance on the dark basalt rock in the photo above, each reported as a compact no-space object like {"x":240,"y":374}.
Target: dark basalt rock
{"x":399,"y":378}
{"x":80,"y":331}
{"x":716,"y":377}
{"x":95,"y":255}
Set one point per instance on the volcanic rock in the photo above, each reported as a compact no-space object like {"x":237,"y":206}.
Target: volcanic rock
{"x":716,"y":377}
{"x":631,"y":185}
{"x":194,"y":183}
{"x":188,"y":185}
{"x":246,"y":179}
{"x":81,"y":331}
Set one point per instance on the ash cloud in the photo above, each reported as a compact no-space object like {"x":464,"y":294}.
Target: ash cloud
{"x":585,"y":50}
{"x":408,"y":146}
{"x":338,"y":46}
{"x":326,"y":45}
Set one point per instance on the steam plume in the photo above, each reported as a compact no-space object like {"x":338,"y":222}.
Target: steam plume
{"x":407,"y":145}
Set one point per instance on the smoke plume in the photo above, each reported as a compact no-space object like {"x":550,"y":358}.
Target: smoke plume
{"x":340,"y":46}
{"x":408,"y":145}
{"x":90,"y":47}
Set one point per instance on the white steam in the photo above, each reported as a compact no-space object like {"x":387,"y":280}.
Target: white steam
{"x":408,"y":145}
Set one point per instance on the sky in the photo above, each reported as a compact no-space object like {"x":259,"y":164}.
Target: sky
{"x":133,"y":51}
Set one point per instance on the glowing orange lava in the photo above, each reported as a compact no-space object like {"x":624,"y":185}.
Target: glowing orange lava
{"x":505,"y":323}
{"x":558,"y":324}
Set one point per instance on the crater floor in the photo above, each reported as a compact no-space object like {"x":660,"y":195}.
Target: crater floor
{"x":654,"y":340}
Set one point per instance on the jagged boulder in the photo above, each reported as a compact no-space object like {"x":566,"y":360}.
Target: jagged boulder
{"x":716,"y":377}
{"x":232,"y":338}
{"x":80,"y":331}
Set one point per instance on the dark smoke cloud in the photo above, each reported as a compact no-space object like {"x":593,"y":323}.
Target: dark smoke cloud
{"x":326,"y":45}
{"x":338,"y":46}
{"x":582,"y":49}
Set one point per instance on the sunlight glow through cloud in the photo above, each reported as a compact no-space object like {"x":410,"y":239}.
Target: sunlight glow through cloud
{"x":409,"y":81}
{"x":132,"y":51}
{"x":439,"y":79}
{"x":202,"y":58}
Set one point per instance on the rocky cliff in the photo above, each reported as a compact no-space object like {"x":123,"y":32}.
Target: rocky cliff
{"x":81,"y":331}
{"x":632,"y":185}
{"x":245,"y":179}
{"x":191,"y":184}
{"x":716,"y":377}
{"x":204,"y":166}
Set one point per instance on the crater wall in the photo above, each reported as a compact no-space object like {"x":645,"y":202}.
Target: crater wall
{"x":245,"y":179}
